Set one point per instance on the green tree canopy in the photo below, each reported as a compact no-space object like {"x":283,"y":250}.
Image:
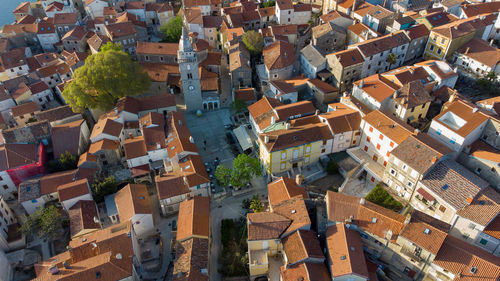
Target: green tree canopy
{"x":238,"y":106}
{"x":253,"y":41}
{"x":244,"y":168}
{"x":104,"y":187}
{"x":104,"y":78}
{"x":381,"y":197}
{"x":172,"y":30}
{"x":391,"y":59}
{"x":44,"y":222}
{"x":68,"y":161}
{"x":256,"y":205}
{"x":269,"y":3}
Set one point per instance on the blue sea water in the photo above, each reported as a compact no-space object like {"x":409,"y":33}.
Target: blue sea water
{"x":6,"y":8}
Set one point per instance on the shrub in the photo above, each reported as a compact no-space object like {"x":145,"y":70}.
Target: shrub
{"x":332,"y":167}
{"x":381,"y":197}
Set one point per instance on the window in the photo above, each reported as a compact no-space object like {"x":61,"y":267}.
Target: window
{"x":366,"y":148}
{"x":405,"y":168}
{"x":393,"y":172}
{"x":483,"y":241}
{"x":374,"y":220}
{"x":306,"y":160}
{"x":378,"y":146}
{"x":431,"y":48}
{"x":439,"y":51}
{"x":190,"y":76}
{"x":389,"y":182}
{"x":443,"y":41}
{"x":381,"y":136}
{"x":453,"y":140}
{"x":370,"y":129}
{"x":442,"y":209}
{"x":391,"y":144}
{"x":308,"y":149}
{"x":283,"y":155}
{"x":283,"y":165}
{"x":472,"y":226}
{"x":438,"y":132}
{"x":368,"y":139}
{"x":478,"y":171}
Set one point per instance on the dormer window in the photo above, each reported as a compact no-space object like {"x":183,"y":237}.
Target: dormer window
{"x":374,"y":220}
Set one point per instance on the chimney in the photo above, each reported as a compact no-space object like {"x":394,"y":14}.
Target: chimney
{"x":273,"y":119}
{"x":395,"y":95}
{"x":474,"y":110}
{"x":317,"y":112}
{"x":362,"y":84}
{"x":298,"y":179}
{"x":287,"y":126}
{"x":266,"y":139}
{"x":191,"y":139}
{"x":467,"y":50}
{"x":362,"y":201}
{"x":469,"y":200}
{"x":130,"y":136}
{"x":491,"y":42}
{"x":118,"y":256}
{"x":434,"y":159}
{"x":416,"y":132}
{"x":452,"y":96}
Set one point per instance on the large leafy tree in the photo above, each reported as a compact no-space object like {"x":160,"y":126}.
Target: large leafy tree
{"x":44,"y":222}
{"x":104,"y":187}
{"x":253,"y":41}
{"x":104,"y":78}
{"x":244,"y":168}
{"x":172,"y":30}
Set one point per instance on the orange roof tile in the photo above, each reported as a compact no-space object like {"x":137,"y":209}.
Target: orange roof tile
{"x":73,"y":189}
{"x":132,"y":200}
{"x":283,"y":189}
{"x":194,"y":218}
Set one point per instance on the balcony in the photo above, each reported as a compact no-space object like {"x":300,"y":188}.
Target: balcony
{"x":410,"y":253}
{"x":296,"y":160}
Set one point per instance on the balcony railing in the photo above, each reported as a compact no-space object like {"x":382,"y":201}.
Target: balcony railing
{"x":296,"y":160}
{"x":410,"y":253}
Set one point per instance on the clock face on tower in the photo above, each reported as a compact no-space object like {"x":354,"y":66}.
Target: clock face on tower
{"x":191,"y":87}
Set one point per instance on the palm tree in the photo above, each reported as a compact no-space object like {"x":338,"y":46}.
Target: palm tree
{"x":391,"y":59}
{"x":256,"y":205}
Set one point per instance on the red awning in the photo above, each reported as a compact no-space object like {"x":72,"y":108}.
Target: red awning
{"x":426,"y":194}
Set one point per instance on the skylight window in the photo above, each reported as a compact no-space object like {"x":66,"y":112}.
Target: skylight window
{"x":342,"y":258}
{"x":445,"y":187}
{"x":427,"y":231}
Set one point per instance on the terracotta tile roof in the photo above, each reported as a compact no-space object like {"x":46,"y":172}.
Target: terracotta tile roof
{"x":295,"y":210}
{"x":480,"y":51}
{"x":170,"y":185}
{"x":453,"y":183}
{"x":418,"y":152}
{"x":15,"y":155}
{"x":106,"y":126}
{"x":191,"y":260}
{"x":81,"y":217}
{"x":466,"y":111}
{"x":323,"y":86}
{"x":135,"y":147}
{"x":301,"y":7}
{"x":73,"y":189}
{"x":262,"y":110}
{"x":379,"y":12}
{"x":305,"y":271}
{"x":55,"y":114}
{"x":427,"y":232}
{"x":417,"y":31}
{"x":65,"y":18}
{"x":458,"y":28}
{"x":266,"y":225}
{"x":245,"y":94}
{"x":283,"y":87}
{"x":413,"y":94}
{"x":325,"y":29}
{"x":132,"y":200}
{"x":20,"y":28}
{"x":459,"y":257}
{"x":76,"y":33}
{"x":97,"y":40}
{"x":284,"y":29}
{"x":345,"y":252}
{"x":343,"y":119}
{"x":480,"y":149}
{"x":267,"y":12}
{"x":239,"y":58}
{"x":284,"y":4}
{"x":301,"y":246}
{"x":22,"y":8}
{"x":104,"y":144}
{"x":46,"y":26}
{"x":66,"y":137}
{"x":484,"y":208}
{"x":54,"y":6}
{"x":121,"y":29}
{"x":389,"y":126}
{"x":86,"y":157}
{"x":348,"y":57}
{"x":194,"y":218}
{"x":49,"y":183}
{"x":474,"y":9}
{"x":193,"y":15}
{"x":406,"y":74}
{"x":380,"y":44}
{"x":377,"y":87}
{"x":112,"y":258}
{"x":157,"y":48}
{"x":362,"y":8}
{"x":493,"y":228}
{"x":278,"y":55}
{"x":341,"y":207}
{"x":209,"y":80}
{"x":25,"y":108}
{"x":159,"y":72}
{"x":283,"y":189}
{"x":295,"y":136}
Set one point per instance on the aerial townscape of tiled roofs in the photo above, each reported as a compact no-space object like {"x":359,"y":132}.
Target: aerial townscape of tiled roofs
{"x":276,"y":140}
